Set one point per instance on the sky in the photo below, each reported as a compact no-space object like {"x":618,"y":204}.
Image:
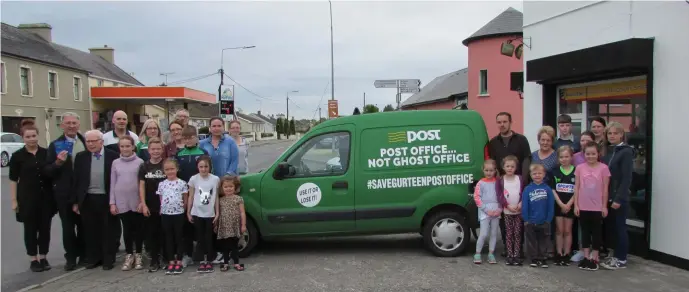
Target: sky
{"x":372,"y":40}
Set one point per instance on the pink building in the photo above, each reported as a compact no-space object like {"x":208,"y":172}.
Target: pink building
{"x":489,"y":71}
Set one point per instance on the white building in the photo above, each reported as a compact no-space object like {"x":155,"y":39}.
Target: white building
{"x":626,"y":61}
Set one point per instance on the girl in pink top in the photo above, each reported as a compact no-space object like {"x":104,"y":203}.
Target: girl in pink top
{"x":590,"y":197}
{"x":586,"y":137}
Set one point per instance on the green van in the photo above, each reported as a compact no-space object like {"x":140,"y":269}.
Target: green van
{"x":382,"y":173}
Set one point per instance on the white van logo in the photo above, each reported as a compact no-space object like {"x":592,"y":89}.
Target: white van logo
{"x":430,"y":135}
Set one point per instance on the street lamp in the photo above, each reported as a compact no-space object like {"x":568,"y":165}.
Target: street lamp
{"x":288,"y":92}
{"x":222,"y":72}
{"x":332,"y":57}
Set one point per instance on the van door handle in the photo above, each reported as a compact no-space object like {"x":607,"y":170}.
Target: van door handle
{"x":340,"y":185}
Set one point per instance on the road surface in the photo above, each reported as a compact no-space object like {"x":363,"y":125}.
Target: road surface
{"x":15,"y":264}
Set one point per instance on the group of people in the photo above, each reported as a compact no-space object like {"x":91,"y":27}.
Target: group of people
{"x":535,"y":198}
{"x":161,"y":194}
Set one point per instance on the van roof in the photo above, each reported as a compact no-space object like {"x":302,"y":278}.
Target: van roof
{"x":415,"y":117}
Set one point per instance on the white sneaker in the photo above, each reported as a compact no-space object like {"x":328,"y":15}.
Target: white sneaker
{"x":577,"y":257}
{"x":218,"y":259}
{"x":187,"y":261}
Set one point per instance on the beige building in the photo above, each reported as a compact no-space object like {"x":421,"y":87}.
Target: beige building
{"x":39,"y":82}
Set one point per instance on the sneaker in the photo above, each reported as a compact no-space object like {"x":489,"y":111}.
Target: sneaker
{"x":543,"y":264}
{"x":518,"y":262}
{"x":170,"y":269}
{"x":614,"y":264}
{"x":36,"y":266}
{"x":565,"y":260}
{"x":45,"y":264}
{"x":154,"y":267}
{"x":138,"y":261}
{"x":557,"y":260}
{"x":491,"y":259}
{"x":583,"y":264}
{"x":218,"y":259}
{"x":534,"y":263}
{"x":201,"y":268}
{"x":509,"y":261}
{"x":592,"y":265}
{"x":128,"y":262}
{"x":177,"y":269}
{"x":209,"y":268}
{"x":187,"y":261}
{"x":477,"y":259}
{"x":577,"y":256}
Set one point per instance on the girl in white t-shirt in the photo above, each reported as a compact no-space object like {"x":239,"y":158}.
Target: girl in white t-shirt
{"x":509,"y":189}
{"x":173,"y":195}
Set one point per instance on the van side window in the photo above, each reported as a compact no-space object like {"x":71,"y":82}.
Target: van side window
{"x":322,"y":155}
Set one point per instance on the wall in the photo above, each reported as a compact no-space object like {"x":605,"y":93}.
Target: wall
{"x":485,"y":55}
{"x":37,"y":105}
{"x":667,"y":23}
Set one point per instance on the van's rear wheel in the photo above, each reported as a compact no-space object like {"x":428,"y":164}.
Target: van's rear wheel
{"x":250,"y":239}
{"x":445,"y":234}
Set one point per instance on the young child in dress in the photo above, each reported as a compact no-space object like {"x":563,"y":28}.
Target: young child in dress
{"x":488,"y":211}
{"x":590,"y":197}
{"x":203,"y":209}
{"x":231,"y":224}
{"x":509,"y":190}
{"x":563,"y":185}
{"x":173,"y":196}
{"x":538,"y":206}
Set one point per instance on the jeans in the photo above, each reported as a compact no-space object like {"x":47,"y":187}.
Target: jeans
{"x":622,"y":238}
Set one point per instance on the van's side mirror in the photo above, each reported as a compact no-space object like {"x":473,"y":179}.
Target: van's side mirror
{"x":282,"y":171}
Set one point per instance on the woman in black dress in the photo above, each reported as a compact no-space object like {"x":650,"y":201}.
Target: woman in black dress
{"x":32,"y":199}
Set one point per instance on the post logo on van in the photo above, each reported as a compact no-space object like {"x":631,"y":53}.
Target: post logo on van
{"x":411,"y":136}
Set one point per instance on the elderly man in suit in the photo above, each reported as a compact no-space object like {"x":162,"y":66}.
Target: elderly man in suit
{"x":92,"y":188}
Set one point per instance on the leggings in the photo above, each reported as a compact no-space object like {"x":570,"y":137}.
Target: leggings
{"x":513,"y":232}
{"x":132,"y":227}
{"x":173,"y":228}
{"x":490,"y":224}
{"x":204,"y":237}
{"x":153,"y":235}
{"x":229,"y":247}
{"x":37,"y":232}
{"x":591,"y":229}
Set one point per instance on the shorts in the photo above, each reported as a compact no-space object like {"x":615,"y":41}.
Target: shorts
{"x":558,"y":211}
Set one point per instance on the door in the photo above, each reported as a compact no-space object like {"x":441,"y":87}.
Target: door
{"x":318,"y":194}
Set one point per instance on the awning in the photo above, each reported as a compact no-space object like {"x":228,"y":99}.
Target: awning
{"x":160,"y":95}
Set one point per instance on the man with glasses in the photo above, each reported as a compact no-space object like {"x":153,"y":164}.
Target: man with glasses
{"x":92,"y":200}
{"x":60,"y":169}
{"x":181,"y":115}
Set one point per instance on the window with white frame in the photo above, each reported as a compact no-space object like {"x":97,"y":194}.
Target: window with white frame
{"x":52,"y":84}
{"x":483,"y":82}
{"x":77,"y":88}
{"x":3,"y":78}
{"x":25,"y":81}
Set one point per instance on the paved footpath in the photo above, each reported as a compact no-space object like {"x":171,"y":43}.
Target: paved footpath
{"x":376,"y":263}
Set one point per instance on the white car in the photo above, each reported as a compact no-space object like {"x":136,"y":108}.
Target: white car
{"x":9,"y":143}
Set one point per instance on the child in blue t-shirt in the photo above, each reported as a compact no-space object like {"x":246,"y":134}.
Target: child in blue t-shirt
{"x":538,"y":207}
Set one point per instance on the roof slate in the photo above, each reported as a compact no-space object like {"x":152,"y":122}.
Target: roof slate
{"x":249,"y":118}
{"x":27,"y":45}
{"x":97,"y":65}
{"x":440,"y":88}
{"x":510,"y":21}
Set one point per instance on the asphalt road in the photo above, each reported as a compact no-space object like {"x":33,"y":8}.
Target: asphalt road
{"x":376,"y":263}
{"x":15,"y":264}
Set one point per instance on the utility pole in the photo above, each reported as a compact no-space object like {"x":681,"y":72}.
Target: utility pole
{"x":222,"y":74}
{"x":364,"y":100}
{"x":166,"y":74}
{"x":319,"y":113}
{"x":332,"y":57}
{"x":288,"y":129}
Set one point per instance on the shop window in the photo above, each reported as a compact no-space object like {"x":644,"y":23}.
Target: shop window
{"x":483,"y":82}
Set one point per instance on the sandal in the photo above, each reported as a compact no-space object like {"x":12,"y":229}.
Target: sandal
{"x":239,"y":267}
{"x":224,"y":267}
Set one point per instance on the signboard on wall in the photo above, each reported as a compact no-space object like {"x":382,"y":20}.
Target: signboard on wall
{"x":623,"y":89}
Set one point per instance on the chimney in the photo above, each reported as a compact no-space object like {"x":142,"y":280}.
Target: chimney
{"x":105,"y":52}
{"x":259,"y":112}
{"x":43,"y":30}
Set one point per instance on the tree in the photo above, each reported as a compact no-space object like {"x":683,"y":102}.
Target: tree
{"x":388,"y":108}
{"x":292,"y":127}
{"x":278,"y":127}
{"x":285,"y":127}
{"x":369,"y":109}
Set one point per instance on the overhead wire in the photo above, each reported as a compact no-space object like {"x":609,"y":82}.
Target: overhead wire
{"x":190,"y":79}
{"x":248,"y":90}
{"x":321,"y":100}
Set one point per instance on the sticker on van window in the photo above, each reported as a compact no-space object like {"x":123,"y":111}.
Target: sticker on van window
{"x":399,"y":156}
{"x":309,"y":195}
{"x":420,"y":181}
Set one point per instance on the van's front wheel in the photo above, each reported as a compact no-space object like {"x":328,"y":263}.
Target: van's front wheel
{"x":250,"y":239}
{"x":445,"y":234}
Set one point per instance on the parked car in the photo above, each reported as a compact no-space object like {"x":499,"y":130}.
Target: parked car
{"x":9,"y":143}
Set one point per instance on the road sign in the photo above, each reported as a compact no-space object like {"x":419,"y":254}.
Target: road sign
{"x":409,"y":89}
{"x":333,"y":109}
{"x":410,"y":83}
{"x":385,"y":83}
